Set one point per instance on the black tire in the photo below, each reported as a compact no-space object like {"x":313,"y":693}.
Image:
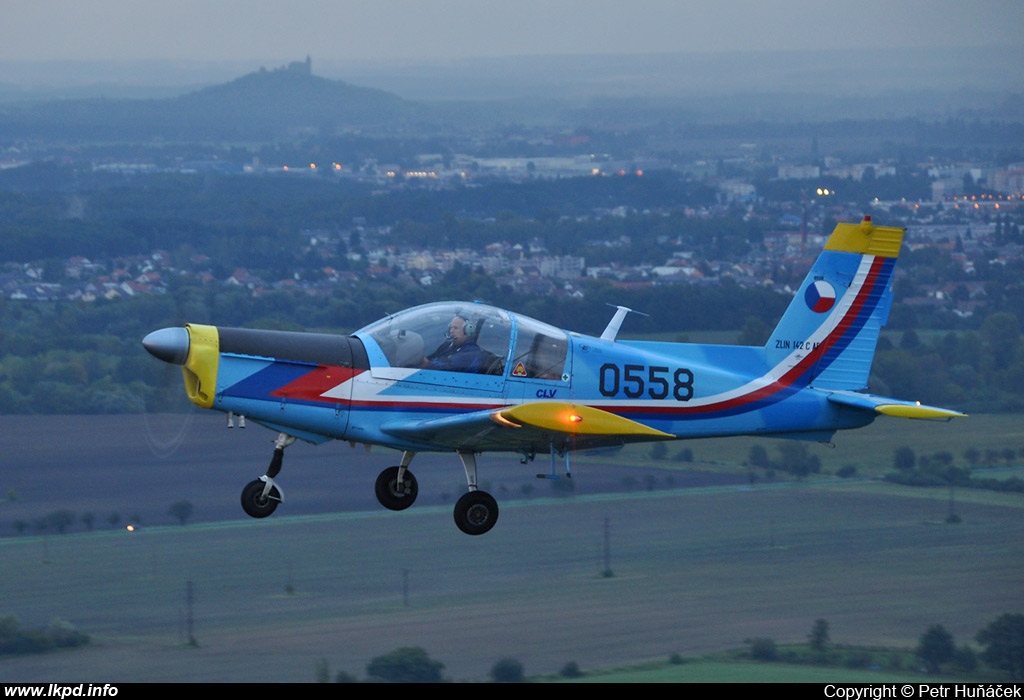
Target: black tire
{"x":476,"y":512}
{"x":255,"y":504}
{"x":388,"y":493}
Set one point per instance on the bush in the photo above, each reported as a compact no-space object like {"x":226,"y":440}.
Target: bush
{"x":857,"y":659}
{"x":65,"y":635}
{"x":965,"y":660}
{"x":763,"y":649}
{"x":1003,"y":640}
{"x":405,"y":665}
{"x":571,"y":670}
{"x":935,"y":648}
{"x":60,"y":634}
{"x":507,"y":670}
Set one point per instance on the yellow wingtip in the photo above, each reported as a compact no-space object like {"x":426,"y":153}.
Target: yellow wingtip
{"x":918,"y":412}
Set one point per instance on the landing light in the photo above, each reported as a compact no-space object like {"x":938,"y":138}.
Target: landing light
{"x":502,"y":420}
{"x":575,"y":418}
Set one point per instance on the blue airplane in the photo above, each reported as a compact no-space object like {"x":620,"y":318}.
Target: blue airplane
{"x":467,"y":378}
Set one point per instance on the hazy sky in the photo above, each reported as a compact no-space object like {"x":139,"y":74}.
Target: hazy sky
{"x":286,"y":30}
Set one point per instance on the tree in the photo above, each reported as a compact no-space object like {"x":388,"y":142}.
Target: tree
{"x":763,"y":649}
{"x":406,"y":665}
{"x":758,"y":457}
{"x":61,"y":520}
{"x":571,"y":670}
{"x":181,"y":511}
{"x":935,"y":648}
{"x":797,"y":459}
{"x":88,"y":519}
{"x":507,"y":670}
{"x":818,"y":638}
{"x":1003,"y":640}
{"x":904,"y":458}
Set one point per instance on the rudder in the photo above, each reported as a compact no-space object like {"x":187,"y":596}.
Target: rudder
{"x":830,"y":330}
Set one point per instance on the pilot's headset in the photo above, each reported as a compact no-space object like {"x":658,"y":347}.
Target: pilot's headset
{"x":469,"y":328}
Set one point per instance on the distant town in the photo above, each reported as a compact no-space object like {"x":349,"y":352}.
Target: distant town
{"x":971,"y":220}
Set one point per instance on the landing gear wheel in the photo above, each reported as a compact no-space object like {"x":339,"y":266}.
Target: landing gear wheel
{"x":476,"y":512}
{"x":255,"y":504}
{"x":388,"y":492}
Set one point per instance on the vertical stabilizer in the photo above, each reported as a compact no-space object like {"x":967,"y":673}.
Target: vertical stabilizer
{"x":831,"y":328}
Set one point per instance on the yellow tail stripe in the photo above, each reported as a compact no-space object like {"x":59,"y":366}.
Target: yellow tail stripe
{"x":867,"y":239}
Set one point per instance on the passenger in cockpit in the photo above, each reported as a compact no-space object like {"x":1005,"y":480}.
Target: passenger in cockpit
{"x":459,"y":353}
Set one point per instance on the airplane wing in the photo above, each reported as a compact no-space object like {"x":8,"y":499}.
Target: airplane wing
{"x":891,"y":407}
{"x":531,"y":427}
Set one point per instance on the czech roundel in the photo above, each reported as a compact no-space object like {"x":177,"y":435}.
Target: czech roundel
{"x":820,"y":296}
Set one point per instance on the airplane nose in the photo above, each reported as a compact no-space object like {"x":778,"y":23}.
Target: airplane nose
{"x":168,"y":344}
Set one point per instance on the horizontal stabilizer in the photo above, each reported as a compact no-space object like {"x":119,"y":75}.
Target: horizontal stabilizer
{"x":892,"y":407}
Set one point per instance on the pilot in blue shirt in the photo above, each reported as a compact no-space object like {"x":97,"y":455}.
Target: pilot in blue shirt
{"x":460,"y":353}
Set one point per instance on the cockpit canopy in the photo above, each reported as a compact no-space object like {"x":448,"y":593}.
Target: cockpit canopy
{"x":508,"y":344}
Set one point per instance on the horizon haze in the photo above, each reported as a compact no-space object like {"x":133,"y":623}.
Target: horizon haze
{"x":460,"y":49}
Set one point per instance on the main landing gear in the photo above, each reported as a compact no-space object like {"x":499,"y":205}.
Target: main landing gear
{"x":261,"y":496}
{"x":396,"y":487}
{"x":476,"y":512}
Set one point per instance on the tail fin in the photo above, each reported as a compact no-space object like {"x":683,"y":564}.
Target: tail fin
{"x":831,"y":328}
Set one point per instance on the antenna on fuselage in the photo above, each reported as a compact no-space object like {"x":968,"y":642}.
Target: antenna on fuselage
{"x":612,"y":329}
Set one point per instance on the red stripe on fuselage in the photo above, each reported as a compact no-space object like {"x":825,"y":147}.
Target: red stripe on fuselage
{"x":315,"y":383}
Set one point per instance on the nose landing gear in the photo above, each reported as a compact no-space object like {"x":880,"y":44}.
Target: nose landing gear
{"x":261,"y":496}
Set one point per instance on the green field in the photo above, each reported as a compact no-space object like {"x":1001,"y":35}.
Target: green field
{"x":695,"y":572}
{"x":869,"y":449}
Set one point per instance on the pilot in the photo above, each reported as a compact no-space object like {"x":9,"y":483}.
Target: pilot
{"x":459,"y":353}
